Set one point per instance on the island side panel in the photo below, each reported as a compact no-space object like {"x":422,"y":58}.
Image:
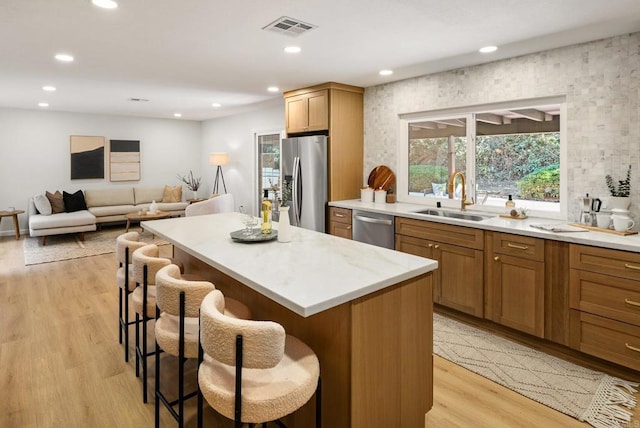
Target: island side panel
{"x":392,"y":363}
{"x":328,"y":333}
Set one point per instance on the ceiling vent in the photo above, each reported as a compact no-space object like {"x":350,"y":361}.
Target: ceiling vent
{"x":289,"y":26}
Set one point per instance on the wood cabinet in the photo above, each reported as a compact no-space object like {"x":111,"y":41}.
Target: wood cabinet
{"x":458,"y":281}
{"x":605,"y":304}
{"x":340,"y":222}
{"x":516,"y":282}
{"x":337,"y":111}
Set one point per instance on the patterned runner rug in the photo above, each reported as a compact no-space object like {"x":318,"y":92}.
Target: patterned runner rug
{"x":65,"y":247}
{"x":587,"y":395}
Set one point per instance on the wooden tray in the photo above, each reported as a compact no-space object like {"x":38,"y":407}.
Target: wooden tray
{"x":518,"y":217}
{"x":599,"y":229}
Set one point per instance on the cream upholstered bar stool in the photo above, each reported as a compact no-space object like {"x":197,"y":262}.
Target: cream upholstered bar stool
{"x":146,"y":264}
{"x":283,"y":372}
{"x":177,"y":327}
{"x":126,"y":244}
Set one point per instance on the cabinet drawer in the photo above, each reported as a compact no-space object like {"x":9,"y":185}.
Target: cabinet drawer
{"x":518,"y":246}
{"x":455,"y":235}
{"x":611,"y":340}
{"x":605,"y":295}
{"x":602,"y":260}
{"x":340,"y":215}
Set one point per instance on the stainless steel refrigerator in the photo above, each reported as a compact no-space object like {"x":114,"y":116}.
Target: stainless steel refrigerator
{"x":304,"y":172}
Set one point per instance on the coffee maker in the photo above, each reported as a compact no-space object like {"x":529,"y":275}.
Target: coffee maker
{"x":588,"y":210}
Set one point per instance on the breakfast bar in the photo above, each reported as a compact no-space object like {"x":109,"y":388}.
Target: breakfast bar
{"x":365,"y":311}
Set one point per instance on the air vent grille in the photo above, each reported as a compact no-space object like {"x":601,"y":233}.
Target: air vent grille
{"x":289,"y":26}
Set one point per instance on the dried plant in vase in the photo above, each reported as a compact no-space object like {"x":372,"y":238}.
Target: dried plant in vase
{"x":190,"y":181}
{"x":624,"y":186}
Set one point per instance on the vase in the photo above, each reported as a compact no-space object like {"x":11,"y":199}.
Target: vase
{"x":619,"y":202}
{"x":284,"y":225}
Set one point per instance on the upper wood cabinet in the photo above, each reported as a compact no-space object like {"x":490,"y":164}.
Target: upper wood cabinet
{"x":336,"y":110}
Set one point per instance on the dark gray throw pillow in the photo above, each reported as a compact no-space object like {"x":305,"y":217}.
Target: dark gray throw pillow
{"x":74,"y":201}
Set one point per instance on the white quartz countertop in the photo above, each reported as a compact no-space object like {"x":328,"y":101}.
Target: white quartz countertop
{"x":499,"y":224}
{"x":312,"y":273}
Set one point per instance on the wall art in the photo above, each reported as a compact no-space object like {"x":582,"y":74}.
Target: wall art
{"x":87,"y":157}
{"x":124,"y":160}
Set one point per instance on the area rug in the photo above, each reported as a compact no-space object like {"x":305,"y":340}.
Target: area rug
{"x":66,"y":247}
{"x":587,"y":395}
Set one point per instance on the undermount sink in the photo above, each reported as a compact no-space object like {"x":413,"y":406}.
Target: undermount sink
{"x":452,"y":214}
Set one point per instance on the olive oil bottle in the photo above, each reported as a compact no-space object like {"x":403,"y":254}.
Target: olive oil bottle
{"x":266,"y":208}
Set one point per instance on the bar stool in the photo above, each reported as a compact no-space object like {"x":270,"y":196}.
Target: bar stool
{"x":285,"y":372}
{"x":146,"y":263}
{"x":126,"y":244}
{"x":177,"y":327}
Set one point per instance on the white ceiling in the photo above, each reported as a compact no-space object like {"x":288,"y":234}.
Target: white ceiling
{"x":184,"y":55}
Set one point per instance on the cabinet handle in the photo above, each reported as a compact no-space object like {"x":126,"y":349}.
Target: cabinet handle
{"x":633,"y":348}
{"x":348,"y":227}
{"x":436,"y":246}
{"x":631,"y":302}
{"x":339,"y":215}
{"x":430,"y":245}
{"x":496,"y":258}
{"x":519,"y":247}
{"x":628,"y":266}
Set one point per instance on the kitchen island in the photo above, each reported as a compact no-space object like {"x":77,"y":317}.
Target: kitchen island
{"x":365,"y":311}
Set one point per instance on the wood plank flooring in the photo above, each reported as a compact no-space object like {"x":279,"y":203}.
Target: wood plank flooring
{"x":61,"y":364}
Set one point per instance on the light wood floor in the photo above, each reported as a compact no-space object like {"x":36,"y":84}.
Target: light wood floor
{"x":61,"y":364}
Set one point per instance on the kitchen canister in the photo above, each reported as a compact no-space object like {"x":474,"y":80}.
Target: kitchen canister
{"x":366,"y":194}
{"x":380,"y":196}
{"x":284,"y":225}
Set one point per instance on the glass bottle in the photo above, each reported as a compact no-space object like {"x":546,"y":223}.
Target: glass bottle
{"x":265,"y":208}
{"x":510,"y":204}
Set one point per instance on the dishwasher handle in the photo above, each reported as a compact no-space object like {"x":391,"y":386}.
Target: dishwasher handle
{"x":374,"y":220}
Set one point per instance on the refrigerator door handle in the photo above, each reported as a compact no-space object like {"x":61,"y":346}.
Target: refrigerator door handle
{"x":295,"y":197}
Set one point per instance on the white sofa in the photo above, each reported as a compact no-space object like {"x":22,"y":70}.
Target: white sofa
{"x":103,"y":206}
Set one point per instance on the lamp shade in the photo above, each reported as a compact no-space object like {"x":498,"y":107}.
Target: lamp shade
{"x":218,"y":158}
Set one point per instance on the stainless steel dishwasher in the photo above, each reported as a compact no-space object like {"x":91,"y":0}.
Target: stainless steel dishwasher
{"x":373,"y":228}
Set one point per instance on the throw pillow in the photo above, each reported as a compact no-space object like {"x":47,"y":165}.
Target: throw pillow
{"x":172,"y":194}
{"x":42,"y":204}
{"x":57,"y":202}
{"x":74,"y":201}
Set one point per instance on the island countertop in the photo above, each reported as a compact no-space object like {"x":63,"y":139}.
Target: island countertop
{"x":312,"y":273}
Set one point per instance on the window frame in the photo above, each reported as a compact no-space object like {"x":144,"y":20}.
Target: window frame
{"x":469,"y":113}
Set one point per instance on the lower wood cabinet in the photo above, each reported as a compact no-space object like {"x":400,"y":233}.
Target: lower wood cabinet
{"x":340,"y":222}
{"x":458,"y":281}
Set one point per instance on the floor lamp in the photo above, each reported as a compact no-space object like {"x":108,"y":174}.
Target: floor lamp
{"x":218,"y":159}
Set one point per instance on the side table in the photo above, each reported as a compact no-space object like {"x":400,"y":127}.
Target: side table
{"x":13,"y":214}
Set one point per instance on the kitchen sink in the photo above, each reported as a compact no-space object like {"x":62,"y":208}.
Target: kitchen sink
{"x":452,"y":214}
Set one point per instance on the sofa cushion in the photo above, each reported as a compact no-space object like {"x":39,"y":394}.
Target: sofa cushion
{"x":74,"y":201}
{"x":109,"y":196}
{"x":172,"y":194}
{"x":77,"y":218}
{"x":172,"y":206}
{"x":112,"y":210}
{"x":57,"y":203}
{"x":42,"y":204}
{"x":145,"y":195}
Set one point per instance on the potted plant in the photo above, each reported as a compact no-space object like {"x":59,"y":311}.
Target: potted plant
{"x":619,"y":195}
{"x":192,"y":183}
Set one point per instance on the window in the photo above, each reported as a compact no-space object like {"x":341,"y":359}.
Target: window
{"x":268,"y":165}
{"x":508,"y":149}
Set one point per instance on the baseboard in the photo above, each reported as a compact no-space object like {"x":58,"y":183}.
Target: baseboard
{"x":23,"y":232}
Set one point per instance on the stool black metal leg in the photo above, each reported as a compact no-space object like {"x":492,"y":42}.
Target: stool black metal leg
{"x":137,"y":345}
{"x":157,"y":389}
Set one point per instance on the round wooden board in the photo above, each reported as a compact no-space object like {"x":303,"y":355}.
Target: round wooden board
{"x":382,"y":177}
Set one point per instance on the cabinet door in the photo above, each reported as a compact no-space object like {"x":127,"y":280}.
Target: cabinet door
{"x":318,"y":111}
{"x":517,"y":292}
{"x":342,"y":230}
{"x":422,"y":248}
{"x":297,"y":113}
{"x":461,"y":278}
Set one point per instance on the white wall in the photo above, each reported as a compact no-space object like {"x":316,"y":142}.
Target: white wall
{"x":34,"y":152}
{"x":236,"y":136}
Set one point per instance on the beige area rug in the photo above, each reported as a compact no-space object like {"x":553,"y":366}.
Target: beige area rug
{"x":587,"y":395}
{"x":66,"y":247}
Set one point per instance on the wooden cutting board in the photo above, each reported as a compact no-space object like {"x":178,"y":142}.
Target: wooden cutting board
{"x":382,"y":177}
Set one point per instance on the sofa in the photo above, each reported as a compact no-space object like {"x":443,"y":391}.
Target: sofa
{"x":103,"y":205}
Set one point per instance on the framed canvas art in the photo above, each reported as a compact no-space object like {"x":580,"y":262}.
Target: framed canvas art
{"x":87,"y":157}
{"x":124,"y":160}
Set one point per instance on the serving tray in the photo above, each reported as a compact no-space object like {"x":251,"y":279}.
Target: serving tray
{"x":255,"y":236}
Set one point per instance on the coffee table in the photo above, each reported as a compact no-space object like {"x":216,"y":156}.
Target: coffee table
{"x":13,"y":214}
{"x":144,"y":217}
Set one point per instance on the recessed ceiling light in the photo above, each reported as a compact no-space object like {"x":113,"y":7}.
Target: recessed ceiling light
{"x":43,"y":104}
{"x":386,"y":72}
{"x":49,"y":88}
{"x":488,"y":49}
{"x":64,"y":57}
{"x":177,"y":114}
{"x":105,"y":4}
{"x":292,"y":49}
{"x":273,"y":89}
{"x":216,"y":105}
